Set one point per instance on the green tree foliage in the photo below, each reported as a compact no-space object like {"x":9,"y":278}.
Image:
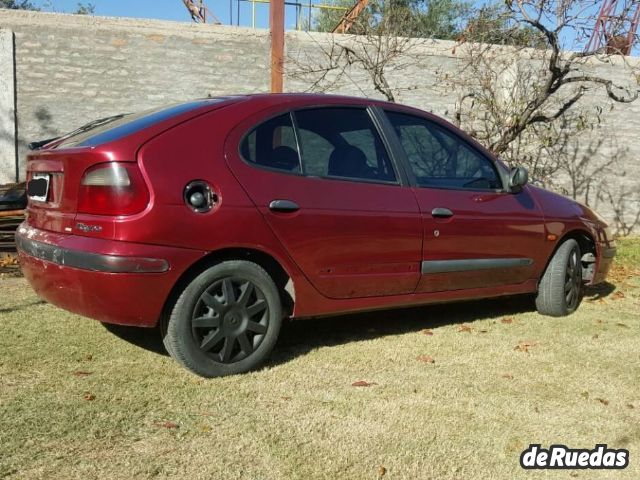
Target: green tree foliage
{"x":18,"y":5}
{"x":494,"y":24}
{"x":85,"y":9}
{"x":409,"y":18}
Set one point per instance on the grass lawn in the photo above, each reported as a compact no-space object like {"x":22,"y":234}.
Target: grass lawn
{"x":76,"y":401}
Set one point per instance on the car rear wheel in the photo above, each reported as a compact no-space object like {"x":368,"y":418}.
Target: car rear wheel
{"x":226,"y":321}
{"x":560,"y":289}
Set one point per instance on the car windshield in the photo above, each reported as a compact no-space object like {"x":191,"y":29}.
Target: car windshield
{"x":115,"y":127}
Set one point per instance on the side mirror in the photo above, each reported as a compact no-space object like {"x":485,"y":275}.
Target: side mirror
{"x":518,"y":178}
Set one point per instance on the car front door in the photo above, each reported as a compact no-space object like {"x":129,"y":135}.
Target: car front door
{"x":325,"y":183}
{"x":476,"y":233}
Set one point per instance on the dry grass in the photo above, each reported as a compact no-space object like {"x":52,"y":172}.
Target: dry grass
{"x":78,"y":402}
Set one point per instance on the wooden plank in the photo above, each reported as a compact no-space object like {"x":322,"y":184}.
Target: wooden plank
{"x":12,"y":213}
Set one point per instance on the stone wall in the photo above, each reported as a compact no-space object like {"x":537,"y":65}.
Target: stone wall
{"x":8,"y":158}
{"x":70,"y":69}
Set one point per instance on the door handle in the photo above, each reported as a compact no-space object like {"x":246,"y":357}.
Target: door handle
{"x":440,"y":212}
{"x":283,"y":206}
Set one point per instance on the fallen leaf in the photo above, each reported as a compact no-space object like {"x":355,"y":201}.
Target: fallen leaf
{"x":507,"y":320}
{"x":363,"y":383}
{"x":285,"y":398}
{"x":573,"y":474}
{"x":536,"y":409}
{"x":381,"y":471}
{"x":465,"y":328}
{"x":508,"y":376}
{"x":80,"y":373}
{"x":427,"y":332}
{"x":603,"y":401}
{"x":166,"y":424}
{"x":599,"y":321}
{"x":425,"y":358}
{"x":585,"y":395}
{"x":524,"y":346}
{"x":595,"y":336}
{"x":630,"y":405}
{"x":617,"y":295}
{"x":483,"y":331}
{"x":622,"y":325}
{"x":89,"y":396}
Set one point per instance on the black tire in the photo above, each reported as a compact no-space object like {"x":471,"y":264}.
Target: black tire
{"x":560,"y":289}
{"x":226,"y":321}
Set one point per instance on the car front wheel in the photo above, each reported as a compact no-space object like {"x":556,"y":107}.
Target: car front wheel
{"x":226,"y":321}
{"x":560,"y":289}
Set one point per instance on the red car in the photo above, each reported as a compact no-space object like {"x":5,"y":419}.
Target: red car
{"x":217,"y":218}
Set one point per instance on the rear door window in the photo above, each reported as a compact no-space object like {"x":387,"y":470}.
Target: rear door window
{"x":340,"y":142}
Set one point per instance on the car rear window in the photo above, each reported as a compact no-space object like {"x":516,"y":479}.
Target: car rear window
{"x":119,"y":126}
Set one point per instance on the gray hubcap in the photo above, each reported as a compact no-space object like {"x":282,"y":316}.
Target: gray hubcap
{"x":230,"y":319}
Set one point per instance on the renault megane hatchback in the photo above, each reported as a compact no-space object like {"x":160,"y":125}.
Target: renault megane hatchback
{"x":214,"y":219}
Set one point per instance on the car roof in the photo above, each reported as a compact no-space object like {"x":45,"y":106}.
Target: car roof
{"x":313,"y":98}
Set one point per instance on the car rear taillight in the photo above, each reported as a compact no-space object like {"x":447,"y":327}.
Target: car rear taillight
{"x":113,"y":188}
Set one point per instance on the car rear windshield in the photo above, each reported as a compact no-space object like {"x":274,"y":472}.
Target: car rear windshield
{"x":118,"y":126}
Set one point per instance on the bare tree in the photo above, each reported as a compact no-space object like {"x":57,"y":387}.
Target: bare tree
{"x":507,"y":92}
{"x":520,"y":90}
{"x":625,"y":203}
{"x":376,"y":51}
{"x":374,"y":55}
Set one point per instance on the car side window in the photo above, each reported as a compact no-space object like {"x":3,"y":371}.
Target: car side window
{"x":272,"y":144}
{"x":438,"y":158}
{"x":343,"y":143}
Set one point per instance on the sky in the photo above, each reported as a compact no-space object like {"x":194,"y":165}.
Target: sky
{"x":175,"y":10}
{"x":227,"y":12}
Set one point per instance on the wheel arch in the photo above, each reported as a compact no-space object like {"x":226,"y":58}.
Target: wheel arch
{"x":279,"y":274}
{"x":585,"y":240}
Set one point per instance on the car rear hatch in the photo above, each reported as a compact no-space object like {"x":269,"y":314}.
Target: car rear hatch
{"x":63,"y":172}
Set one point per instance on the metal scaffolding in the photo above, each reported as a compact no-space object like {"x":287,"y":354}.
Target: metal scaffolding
{"x":303,"y":11}
{"x":616,"y":27}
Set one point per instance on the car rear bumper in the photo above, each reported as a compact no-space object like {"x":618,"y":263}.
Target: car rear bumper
{"x":110,"y":281}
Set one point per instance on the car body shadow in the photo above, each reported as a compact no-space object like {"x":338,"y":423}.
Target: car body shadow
{"x":149,"y":339}
{"x":598,"y":291}
{"x":22,"y":306}
{"x":299,"y":337}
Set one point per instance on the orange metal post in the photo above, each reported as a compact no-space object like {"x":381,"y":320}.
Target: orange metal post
{"x":276,"y":23}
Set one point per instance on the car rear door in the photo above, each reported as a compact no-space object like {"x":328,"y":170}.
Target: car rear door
{"x":476,"y":233}
{"x":330,"y":192}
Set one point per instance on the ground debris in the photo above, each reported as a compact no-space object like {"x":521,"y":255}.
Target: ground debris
{"x":425,"y":359}
{"x":363,"y":383}
{"x":167,"y":424}
{"x":524,"y":346}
